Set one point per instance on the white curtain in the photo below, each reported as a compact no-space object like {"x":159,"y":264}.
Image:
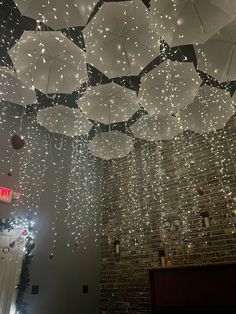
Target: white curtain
{"x":10,"y":268}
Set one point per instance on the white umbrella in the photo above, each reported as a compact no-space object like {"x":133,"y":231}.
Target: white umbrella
{"x":118,"y":40}
{"x":63,"y":120}
{"x":156,"y":128}
{"x":111,"y":145}
{"x":169,"y":87}
{"x":13,"y":90}
{"x":58,"y":14}
{"x":49,"y":61}
{"x":210,"y":111}
{"x":108,"y":103}
{"x":183,"y":22}
{"x":217,"y":56}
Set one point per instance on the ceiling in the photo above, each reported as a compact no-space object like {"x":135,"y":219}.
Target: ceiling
{"x":13,"y":25}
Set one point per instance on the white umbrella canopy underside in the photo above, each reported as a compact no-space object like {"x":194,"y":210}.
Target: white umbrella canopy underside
{"x":111,"y":145}
{"x":217,"y":56}
{"x":156,"y":128}
{"x":183,"y":22}
{"x":58,"y":14}
{"x":63,"y":120}
{"x":13,"y":90}
{"x":49,"y":61}
{"x":210,"y":111}
{"x":118,"y":39}
{"x":169,"y":87}
{"x":108,"y":103}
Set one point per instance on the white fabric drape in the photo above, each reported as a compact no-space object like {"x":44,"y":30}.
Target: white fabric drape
{"x":10,"y":267}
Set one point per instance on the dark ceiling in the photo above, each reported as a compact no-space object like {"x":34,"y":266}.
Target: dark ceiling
{"x":13,"y":24}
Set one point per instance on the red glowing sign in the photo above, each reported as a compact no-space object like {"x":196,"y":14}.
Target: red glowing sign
{"x":5,"y":195}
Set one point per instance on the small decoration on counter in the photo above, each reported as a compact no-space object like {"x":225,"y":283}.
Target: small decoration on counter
{"x":117,"y":246}
{"x":17,"y":141}
{"x":200,"y":190}
{"x":205,"y":219}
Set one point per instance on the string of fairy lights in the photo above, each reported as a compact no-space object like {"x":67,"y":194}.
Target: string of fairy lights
{"x":177,"y":193}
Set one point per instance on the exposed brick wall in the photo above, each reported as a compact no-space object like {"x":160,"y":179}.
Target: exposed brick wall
{"x":151,"y":204}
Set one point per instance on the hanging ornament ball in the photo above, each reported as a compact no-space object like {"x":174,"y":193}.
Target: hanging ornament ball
{"x":24,"y":232}
{"x":10,"y":173}
{"x":51,"y":256}
{"x":200,"y":190}
{"x":12,"y":244}
{"x":17,"y":141}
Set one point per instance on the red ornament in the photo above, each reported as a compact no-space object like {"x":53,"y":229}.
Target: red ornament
{"x":17,"y":141}
{"x":10,"y":173}
{"x":12,"y":244}
{"x":24,"y":232}
{"x":200,"y":190}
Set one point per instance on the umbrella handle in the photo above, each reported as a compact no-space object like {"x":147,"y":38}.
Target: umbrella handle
{"x":51,"y":97}
{"x":59,"y":147}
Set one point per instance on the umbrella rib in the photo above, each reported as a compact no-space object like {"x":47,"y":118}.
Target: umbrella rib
{"x":230,"y":61}
{"x":199,"y":17}
{"x":148,"y":48}
{"x":126,"y":55}
{"x":228,"y":33}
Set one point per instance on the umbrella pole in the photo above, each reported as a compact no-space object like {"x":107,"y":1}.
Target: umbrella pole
{"x":109,"y":118}
{"x":48,"y":81}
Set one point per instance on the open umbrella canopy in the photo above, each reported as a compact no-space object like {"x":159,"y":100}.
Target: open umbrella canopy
{"x":156,"y":128}
{"x":169,"y":87}
{"x":118,"y":40}
{"x":217,"y":56}
{"x":63,"y":120}
{"x":13,"y":90}
{"x":210,"y":110}
{"x":49,"y":61}
{"x":57,"y":14}
{"x":109,"y":103}
{"x":182,"y":22}
{"x":111,"y":145}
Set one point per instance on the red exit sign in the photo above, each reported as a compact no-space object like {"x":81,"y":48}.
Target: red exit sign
{"x":6,"y":194}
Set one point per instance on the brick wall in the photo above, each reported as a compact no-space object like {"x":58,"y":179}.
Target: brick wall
{"x":155,"y":200}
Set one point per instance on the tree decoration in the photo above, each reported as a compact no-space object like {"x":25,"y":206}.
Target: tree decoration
{"x":26,"y":225}
{"x":17,"y":141}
